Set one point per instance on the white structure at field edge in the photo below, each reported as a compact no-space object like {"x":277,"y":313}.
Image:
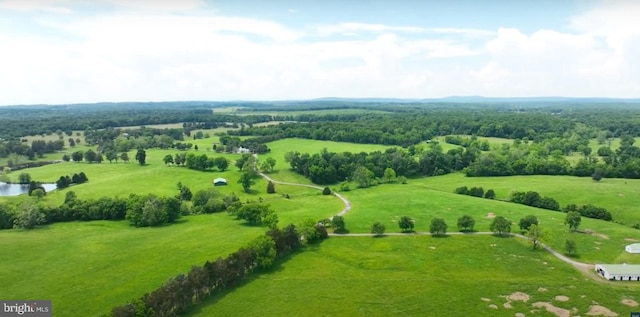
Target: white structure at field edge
{"x":619,"y":272}
{"x":633,"y":248}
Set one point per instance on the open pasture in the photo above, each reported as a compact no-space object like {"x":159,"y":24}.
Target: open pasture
{"x":420,"y":276}
{"x":86,"y":268}
{"x":387,"y":203}
{"x":618,"y":196}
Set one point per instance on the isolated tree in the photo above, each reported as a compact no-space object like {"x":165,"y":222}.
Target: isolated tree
{"x":573,"y":219}
{"x":38,"y":193}
{"x":271,"y":188}
{"x":326,"y":191}
{"x":337,"y":222}
{"x":195,"y":147}
{"x":90,"y":156}
{"x":141,"y":156}
{"x":438,"y":226}
{"x":377,"y":229}
{"x":66,"y":158}
{"x":246,"y":180}
{"x":402,"y":179}
{"x":570,"y":247}
{"x":466,"y":223}
{"x":111,"y":155}
{"x":124,"y":157}
{"x":363,"y":176}
{"x":268,"y":165}
{"x":500,"y":225}
{"x":221,"y":163}
{"x":77,"y":156}
{"x":240,"y":163}
{"x":406,"y":224}
{"x":535,"y":234}
{"x":490,"y":194}
{"x":168,"y":159}
{"x":527,"y":221}
{"x":72,"y":142}
{"x":389,"y":175}
{"x":24,"y":178}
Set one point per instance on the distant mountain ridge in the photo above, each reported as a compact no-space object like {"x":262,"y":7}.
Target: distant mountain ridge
{"x":482,"y":99}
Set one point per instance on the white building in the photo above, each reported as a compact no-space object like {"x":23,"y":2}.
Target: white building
{"x":619,"y":272}
{"x":633,"y":248}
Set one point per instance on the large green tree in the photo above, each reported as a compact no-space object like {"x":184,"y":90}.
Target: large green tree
{"x":338,"y":223}
{"x":363,"y":176}
{"x":406,"y":224}
{"x":535,"y":234}
{"x":466,"y":223}
{"x":141,"y":156}
{"x":573,"y":219}
{"x":500,"y":225}
{"x":246,"y":180}
{"x":438,"y":227}
{"x":527,"y":221}
{"x":377,"y":228}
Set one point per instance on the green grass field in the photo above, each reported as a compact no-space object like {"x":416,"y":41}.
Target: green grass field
{"x":418,"y":276}
{"x":86,"y":268}
{"x":387,"y":203}
{"x":89,"y":267}
{"x":618,"y":195}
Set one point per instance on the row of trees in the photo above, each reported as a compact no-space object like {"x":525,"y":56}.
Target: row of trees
{"x":200,"y":162}
{"x":66,"y":181}
{"x":476,"y":192}
{"x":330,"y":167}
{"x":184,"y":291}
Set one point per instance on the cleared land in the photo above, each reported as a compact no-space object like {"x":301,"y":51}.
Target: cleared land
{"x":419,"y":276}
{"x":618,"y":195}
{"x":86,"y":268}
{"x":387,"y":203}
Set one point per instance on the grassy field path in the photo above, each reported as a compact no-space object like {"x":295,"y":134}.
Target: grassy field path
{"x":347,"y":204}
{"x":583,"y":267}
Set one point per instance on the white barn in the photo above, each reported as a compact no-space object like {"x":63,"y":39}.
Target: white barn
{"x":633,"y":248}
{"x":619,"y":272}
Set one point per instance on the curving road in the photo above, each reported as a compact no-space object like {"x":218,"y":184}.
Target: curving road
{"x":583,"y":267}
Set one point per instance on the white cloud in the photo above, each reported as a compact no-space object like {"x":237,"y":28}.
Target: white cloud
{"x":355,"y":28}
{"x":51,"y":6}
{"x":149,"y":54}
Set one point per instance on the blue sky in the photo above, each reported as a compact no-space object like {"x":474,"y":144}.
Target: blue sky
{"x":63,"y":51}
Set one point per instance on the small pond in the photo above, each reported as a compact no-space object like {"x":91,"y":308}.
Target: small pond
{"x":18,"y":189}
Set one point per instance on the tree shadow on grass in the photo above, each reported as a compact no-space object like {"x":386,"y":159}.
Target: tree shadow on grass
{"x":341,"y":231}
{"x":380,"y":236}
{"x":502,"y":236}
{"x":441,"y":235}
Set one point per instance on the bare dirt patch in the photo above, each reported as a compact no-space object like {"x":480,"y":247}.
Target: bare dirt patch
{"x":518,"y":296}
{"x":601,"y":236}
{"x":432,"y":248}
{"x":630,"y":240}
{"x":491,"y":215}
{"x":560,"y":312}
{"x":493,"y":306}
{"x":542,"y":289}
{"x":629,"y":302}
{"x":562,"y":298}
{"x":520,"y":315}
{"x":597,"y":310}
{"x":507,"y":305}
{"x":484,"y":299}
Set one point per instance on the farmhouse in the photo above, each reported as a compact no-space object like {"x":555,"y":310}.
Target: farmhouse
{"x":619,"y":272}
{"x":633,"y":248}
{"x":219,"y":182}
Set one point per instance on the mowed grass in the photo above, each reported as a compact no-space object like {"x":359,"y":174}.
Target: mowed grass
{"x":618,"y":196}
{"x":86,"y":268}
{"x":417,"y":276}
{"x":387,"y":203}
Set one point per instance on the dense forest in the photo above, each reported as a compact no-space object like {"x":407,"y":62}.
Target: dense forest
{"x":543,"y":133}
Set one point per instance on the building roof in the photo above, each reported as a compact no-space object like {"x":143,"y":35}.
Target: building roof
{"x":219,"y":179}
{"x":621,"y":269}
{"x":634,"y":246}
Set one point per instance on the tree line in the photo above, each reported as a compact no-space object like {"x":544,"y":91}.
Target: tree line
{"x":186,"y":290}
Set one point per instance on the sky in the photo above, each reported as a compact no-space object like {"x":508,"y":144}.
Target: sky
{"x":65,"y":51}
